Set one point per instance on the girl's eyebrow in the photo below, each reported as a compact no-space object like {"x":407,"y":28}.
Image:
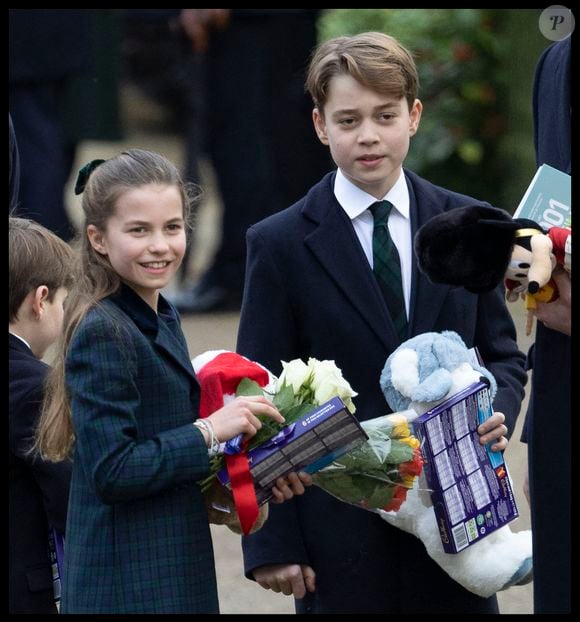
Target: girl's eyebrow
{"x":146,"y":222}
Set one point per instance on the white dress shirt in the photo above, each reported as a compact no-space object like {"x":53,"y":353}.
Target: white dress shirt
{"x":356,"y":203}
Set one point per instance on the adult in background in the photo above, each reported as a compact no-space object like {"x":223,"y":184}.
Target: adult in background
{"x":550,"y":481}
{"x":259,"y":134}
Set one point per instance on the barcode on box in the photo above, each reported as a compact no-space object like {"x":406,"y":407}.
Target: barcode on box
{"x":460,"y":537}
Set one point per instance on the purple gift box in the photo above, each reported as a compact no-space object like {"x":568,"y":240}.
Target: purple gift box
{"x":471,"y":490}
{"x":309,"y":444}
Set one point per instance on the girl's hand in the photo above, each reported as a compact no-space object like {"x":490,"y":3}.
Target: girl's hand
{"x":239,"y":417}
{"x":292,"y":484}
{"x":494,"y":430}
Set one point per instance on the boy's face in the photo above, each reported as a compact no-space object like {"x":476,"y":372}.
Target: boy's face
{"x":368,"y":133}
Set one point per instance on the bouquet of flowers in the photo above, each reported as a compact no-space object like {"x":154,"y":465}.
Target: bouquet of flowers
{"x":374,"y":476}
{"x":377,"y":474}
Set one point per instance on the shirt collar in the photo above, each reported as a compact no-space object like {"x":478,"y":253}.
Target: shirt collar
{"x":355,"y":201}
{"x":21,"y":339}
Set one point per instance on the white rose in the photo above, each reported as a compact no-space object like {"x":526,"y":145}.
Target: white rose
{"x":328,"y":382}
{"x":295,"y":373}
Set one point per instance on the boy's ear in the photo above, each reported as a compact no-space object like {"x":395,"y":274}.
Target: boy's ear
{"x":95,"y":236}
{"x":415,"y":117}
{"x":39,"y":297}
{"x":319,"y":126}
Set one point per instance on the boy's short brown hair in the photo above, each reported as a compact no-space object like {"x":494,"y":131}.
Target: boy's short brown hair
{"x":374,"y":59}
{"x":36,"y":257}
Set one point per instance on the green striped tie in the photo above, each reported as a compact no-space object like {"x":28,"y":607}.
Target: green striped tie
{"x":387,"y":267}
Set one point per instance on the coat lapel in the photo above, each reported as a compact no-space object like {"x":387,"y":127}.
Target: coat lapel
{"x":426,"y":297}
{"x":162,"y":329}
{"x":343,"y":259}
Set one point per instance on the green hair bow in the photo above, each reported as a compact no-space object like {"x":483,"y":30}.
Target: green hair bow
{"x":84,"y":175}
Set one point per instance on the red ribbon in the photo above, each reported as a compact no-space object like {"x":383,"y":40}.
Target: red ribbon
{"x":243,"y":489}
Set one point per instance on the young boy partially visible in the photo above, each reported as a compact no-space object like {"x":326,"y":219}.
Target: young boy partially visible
{"x":40,"y":270}
{"x":314,"y":263}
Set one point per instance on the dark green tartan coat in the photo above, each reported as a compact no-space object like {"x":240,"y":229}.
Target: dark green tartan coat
{"x":137,"y":537}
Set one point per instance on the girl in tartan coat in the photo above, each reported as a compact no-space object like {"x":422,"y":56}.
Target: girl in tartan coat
{"x":123,"y":402}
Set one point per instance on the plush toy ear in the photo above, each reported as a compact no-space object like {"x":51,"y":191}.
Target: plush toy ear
{"x":541,"y":269}
{"x":467,"y":246}
{"x":399,"y":377}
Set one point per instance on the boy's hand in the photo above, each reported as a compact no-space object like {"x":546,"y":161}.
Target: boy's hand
{"x":494,"y":430}
{"x":292,"y":484}
{"x":290,"y":579}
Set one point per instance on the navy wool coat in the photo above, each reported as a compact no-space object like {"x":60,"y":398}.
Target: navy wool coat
{"x":137,"y":537}
{"x":38,"y":490}
{"x":550,"y":407}
{"x":311,"y":292}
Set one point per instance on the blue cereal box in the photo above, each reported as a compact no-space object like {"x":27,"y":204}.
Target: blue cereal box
{"x":309,"y":444}
{"x":471,"y":490}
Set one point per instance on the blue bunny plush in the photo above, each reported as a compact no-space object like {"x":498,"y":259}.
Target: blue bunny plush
{"x":422,"y":372}
{"x":423,"y":369}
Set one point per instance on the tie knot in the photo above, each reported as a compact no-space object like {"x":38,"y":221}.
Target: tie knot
{"x":381,"y":211}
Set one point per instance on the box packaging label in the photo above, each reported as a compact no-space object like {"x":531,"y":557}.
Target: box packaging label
{"x":471,"y":490}
{"x":309,"y":444}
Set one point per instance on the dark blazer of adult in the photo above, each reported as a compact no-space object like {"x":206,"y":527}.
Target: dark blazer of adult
{"x":311,"y":292}
{"x":550,"y":464}
{"x":38,"y":490}
{"x":137,"y":538}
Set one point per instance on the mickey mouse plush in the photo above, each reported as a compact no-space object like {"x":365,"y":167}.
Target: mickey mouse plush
{"x":478,"y":246}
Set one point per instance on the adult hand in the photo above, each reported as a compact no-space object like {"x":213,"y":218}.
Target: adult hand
{"x":494,"y":429}
{"x":557,"y":315}
{"x":198,"y":23}
{"x":290,"y":579}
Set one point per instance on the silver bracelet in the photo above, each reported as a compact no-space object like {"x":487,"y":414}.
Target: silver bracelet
{"x":213,"y":442}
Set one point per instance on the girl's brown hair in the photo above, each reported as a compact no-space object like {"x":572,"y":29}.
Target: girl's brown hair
{"x":96,"y":278}
{"x":374,"y":59}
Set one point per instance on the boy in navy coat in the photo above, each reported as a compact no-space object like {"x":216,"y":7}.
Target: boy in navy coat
{"x":311,"y":291}
{"x":40,"y":271}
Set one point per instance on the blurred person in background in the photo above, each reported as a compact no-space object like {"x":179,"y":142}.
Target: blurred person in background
{"x":255,"y":63}
{"x":62,"y":89}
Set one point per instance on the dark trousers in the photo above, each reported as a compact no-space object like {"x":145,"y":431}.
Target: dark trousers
{"x":46,"y":157}
{"x":260,"y":137}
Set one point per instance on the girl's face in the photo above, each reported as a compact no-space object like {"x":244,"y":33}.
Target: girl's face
{"x":368,"y":133}
{"x":144,"y":239}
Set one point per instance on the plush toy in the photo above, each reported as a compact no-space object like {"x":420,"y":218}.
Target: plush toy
{"x":419,"y":374}
{"x":478,"y":246}
{"x":219,"y":372}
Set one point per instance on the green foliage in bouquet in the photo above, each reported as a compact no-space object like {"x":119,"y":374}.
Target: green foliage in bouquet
{"x":378,"y":473}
